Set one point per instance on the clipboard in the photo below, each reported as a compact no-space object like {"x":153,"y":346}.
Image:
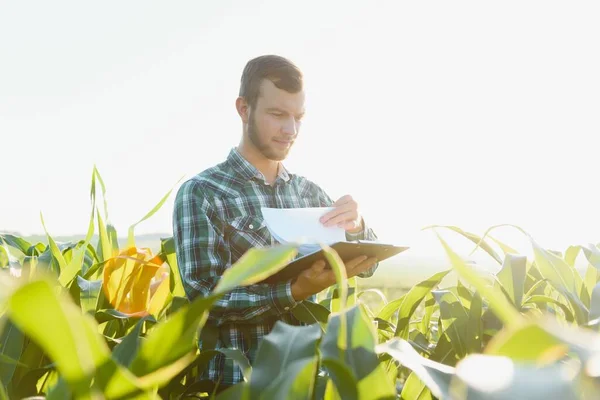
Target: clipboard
{"x":346,"y":250}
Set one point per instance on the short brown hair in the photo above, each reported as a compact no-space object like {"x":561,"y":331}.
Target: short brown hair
{"x":279,"y":70}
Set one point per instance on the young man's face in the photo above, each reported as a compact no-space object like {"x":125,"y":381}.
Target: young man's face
{"x":274,"y":121}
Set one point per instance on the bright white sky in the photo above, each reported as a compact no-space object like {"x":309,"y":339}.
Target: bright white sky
{"x":468,"y":113}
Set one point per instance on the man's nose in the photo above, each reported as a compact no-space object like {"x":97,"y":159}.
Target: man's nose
{"x":290,"y":126}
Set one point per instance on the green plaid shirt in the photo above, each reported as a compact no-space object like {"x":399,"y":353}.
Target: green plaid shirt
{"x":216,"y":219}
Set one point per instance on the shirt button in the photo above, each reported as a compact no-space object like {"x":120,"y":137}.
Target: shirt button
{"x":251,"y":226}
{"x":286,"y":308}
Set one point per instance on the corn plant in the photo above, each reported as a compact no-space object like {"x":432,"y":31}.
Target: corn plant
{"x":93,"y":320}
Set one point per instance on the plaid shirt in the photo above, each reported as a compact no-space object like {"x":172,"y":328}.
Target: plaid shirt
{"x":216,"y":219}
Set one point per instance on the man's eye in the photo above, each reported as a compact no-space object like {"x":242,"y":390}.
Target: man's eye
{"x":277,"y":114}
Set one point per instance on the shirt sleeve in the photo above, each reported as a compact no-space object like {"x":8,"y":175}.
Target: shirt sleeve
{"x":365,"y":234}
{"x":203,"y":256}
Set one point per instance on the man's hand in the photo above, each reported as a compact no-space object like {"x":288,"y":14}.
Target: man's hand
{"x":345,"y":215}
{"x":316,"y":278}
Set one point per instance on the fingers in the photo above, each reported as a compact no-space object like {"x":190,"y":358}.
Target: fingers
{"x":354,"y":262}
{"x":344,"y":204}
{"x":343,"y":200}
{"x":362,"y":266}
{"x":348,"y":215}
{"x":317,"y":268}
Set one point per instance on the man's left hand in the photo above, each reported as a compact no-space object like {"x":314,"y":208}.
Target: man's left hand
{"x":345,"y":215}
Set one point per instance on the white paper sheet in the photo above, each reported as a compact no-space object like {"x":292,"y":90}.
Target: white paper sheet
{"x":301,"y":225}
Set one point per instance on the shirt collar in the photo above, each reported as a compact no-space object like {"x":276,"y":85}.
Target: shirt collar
{"x":248,"y":171}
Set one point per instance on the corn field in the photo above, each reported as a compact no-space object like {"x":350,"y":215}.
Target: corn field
{"x":92,"y":320}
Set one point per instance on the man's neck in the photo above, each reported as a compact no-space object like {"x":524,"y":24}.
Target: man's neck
{"x":268,"y":168}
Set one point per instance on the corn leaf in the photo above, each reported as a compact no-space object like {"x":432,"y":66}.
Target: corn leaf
{"x":479,"y":241}
{"x":501,"y":306}
{"x":454,"y":319}
{"x":88,"y":295}
{"x":359,"y":355}
{"x":279,"y":350}
{"x":130,"y":235}
{"x":435,"y":376}
{"x":512,"y":380}
{"x":176,"y":285}
{"x":254,"y":266}
{"x":11,"y":347}
{"x":342,"y":378}
{"x":512,"y":277}
{"x":412,"y":300}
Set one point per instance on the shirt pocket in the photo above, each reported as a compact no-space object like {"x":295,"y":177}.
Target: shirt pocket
{"x":245,"y":232}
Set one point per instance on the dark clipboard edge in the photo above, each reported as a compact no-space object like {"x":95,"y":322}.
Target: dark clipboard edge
{"x":346,"y":251}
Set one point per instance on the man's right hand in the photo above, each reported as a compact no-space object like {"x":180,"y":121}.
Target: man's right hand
{"x":316,"y":278}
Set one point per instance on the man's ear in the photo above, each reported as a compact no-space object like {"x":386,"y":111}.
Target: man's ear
{"x":243,"y":109}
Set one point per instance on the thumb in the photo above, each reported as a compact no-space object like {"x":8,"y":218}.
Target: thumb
{"x":318,"y":266}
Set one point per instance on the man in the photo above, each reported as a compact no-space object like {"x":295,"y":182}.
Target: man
{"x":217,"y":215}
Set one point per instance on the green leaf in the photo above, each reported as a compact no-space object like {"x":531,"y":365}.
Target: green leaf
{"x":538,"y":288}
{"x":498,"y":302}
{"x":454,"y":319}
{"x":412,"y":300}
{"x":479,"y":241}
{"x":295,"y":382}
{"x":72,"y":341}
{"x":444,"y":352}
{"x":342,"y":377}
{"x":358,"y":354}
{"x":571,"y":255}
{"x":130,"y":235}
{"x":415,"y":389}
{"x":11,"y":347}
{"x":337,"y":265}
{"x":554,"y":268}
{"x":36,"y":309}
{"x":379,"y":294}
{"x":591,"y":279}
{"x":278,"y":350}
{"x":55,"y":251}
{"x":463,"y":294}
{"x":74,"y":266}
{"x":506,"y":249}
{"x":542,"y":300}
{"x":32,"y":357}
{"x":435,"y":376}
{"x":88,"y":295}
{"x":125,"y":351}
{"x":3,"y":394}
{"x":474,"y":325}
{"x":254,"y":266}
{"x":16,"y":242}
{"x":526,"y":343}
{"x":104,"y":246}
{"x":310,"y":313}
{"x":173,"y":338}
{"x":430,"y":307}
{"x":241,"y":391}
{"x":60,"y":391}
{"x":390,"y":308}
{"x":512,"y":277}
{"x":595,"y":303}
{"x":175,"y":283}
{"x":240,"y":360}
{"x":592,"y":253}
{"x":511,"y":380}
{"x":581,"y":311}
{"x":110,"y":314}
